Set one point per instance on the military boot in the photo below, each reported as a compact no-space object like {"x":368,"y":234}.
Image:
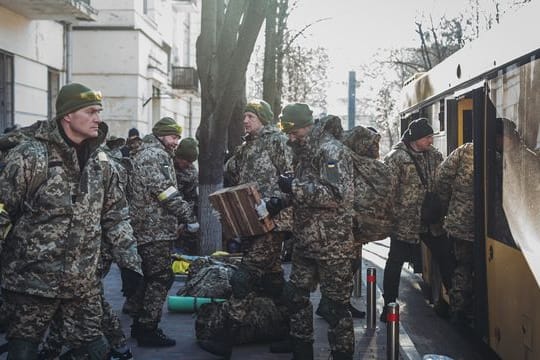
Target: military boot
{"x":302,"y":350}
{"x":219,"y":348}
{"x":282,"y":347}
{"x":340,"y":355}
{"x":152,"y":337}
{"x":118,"y":355}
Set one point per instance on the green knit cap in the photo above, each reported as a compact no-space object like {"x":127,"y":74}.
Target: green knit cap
{"x":262,"y":109}
{"x":187,"y":149}
{"x":166,"y":126}
{"x":73,"y":97}
{"x":295,"y":116}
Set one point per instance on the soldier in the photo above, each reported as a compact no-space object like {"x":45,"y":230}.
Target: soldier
{"x":187,"y":178}
{"x":50,"y":256}
{"x":156,"y":208}
{"x":414,"y":161}
{"x":454,"y":184}
{"x":263,"y":155}
{"x":322,"y":195}
{"x":133,"y":142}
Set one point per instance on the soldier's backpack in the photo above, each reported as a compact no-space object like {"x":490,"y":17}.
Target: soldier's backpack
{"x":11,"y":140}
{"x":374,"y":186}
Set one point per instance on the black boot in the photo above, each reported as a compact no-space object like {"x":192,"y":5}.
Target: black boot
{"x":219,"y":348}
{"x":357,"y":314}
{"x":303,"y":350}
{"x":340,"y":355}
{"x":153,"y":337}
{"x":383,"y":314}
{"x":282,"y":347}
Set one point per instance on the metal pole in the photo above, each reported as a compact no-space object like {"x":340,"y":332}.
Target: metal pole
{"x":352,"y":99}
{"x":371,"y":281}
{"x":392,"y":331}
{"x":68,"y":51}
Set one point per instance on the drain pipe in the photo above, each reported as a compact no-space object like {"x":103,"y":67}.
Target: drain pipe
{"x":68,"y":51}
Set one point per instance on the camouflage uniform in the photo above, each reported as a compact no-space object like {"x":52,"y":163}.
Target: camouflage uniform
{"x":322,"y":200}
{"x":156,"y":207}
{"x":454,"y":184}
{"x":50,"y":257}
{"x":188,"y":182}
{"x":261,"y":159}
{"x":408,"y":197}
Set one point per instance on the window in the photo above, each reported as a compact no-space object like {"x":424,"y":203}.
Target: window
{"x":6,"y":90}
{"x":53,"y":85}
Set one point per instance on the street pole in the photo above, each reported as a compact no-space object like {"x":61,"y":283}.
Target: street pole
{"x":352,"y":99}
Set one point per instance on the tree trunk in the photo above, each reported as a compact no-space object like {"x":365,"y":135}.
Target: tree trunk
{"x":223,"y":51}
{"x":269,"y":70}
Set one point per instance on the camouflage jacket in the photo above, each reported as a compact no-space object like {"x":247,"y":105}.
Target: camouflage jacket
{"x":188,"y":182}
{"x":323,"y":194}
{"x":410,"y":192}
{"x":454,"y":185}
{"x":54,"y":246}
{"x":156,"y":205}
{"x":261,"y":159}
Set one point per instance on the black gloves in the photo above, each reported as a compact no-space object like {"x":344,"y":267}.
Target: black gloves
{"x":274,"y":206}
{"x":285,"y":183}
{"x":131,"y":281}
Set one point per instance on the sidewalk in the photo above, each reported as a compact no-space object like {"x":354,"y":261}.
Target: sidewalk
{"x":181,"y":327}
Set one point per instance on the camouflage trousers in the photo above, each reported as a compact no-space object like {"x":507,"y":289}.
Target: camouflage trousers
{"x":110,"y":323}
{"x":335,"y":280}
{"x":30,"y":317}
{"x":461,"y":293}
{"x":260,"y":270}
{"x":158,"y":278}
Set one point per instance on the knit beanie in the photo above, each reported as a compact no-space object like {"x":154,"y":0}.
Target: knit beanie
{"x":133,"y":132}
{"x":262,"y":109}
{"x":166,"y":126}
{"x":295,"y":116}
{"x":417,"y":129}
{"x":73,"y":97}
{"x":187,"y":149}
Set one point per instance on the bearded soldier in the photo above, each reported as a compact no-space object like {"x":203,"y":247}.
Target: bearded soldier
{"x":322,"y":195}
{"x":454,"y":184}
{"x":50,"y":257}
{"x":156,"y":208}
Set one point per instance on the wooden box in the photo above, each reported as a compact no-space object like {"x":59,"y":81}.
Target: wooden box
{"x":236,"y":206}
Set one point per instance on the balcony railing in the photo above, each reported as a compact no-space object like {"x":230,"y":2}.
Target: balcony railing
{"x":185,"y":78}
{"x":60,"y":10}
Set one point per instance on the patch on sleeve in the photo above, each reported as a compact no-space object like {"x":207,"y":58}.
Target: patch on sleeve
{"x":102,"y":156}
{"x":171,"y":190}
{"x":332,"y":171}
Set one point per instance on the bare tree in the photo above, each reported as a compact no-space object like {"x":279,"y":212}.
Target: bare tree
{"x":228,"y":34}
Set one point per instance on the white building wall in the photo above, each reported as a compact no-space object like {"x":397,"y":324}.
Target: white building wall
{"x":36,"y":45}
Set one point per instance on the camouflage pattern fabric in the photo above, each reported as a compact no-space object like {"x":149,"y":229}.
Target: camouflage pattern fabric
{"x":461,"y":293}
{"x":335,"y":279}
{"x":54,"y":246}
{"x":242,"y":321}
{"x":208,"y":278}
{"x":156,"y":206}
{"x":188,"y":182}
{"x":454,"y":185}
{"x":261,"y":159}
{"x":158,"y":279}
{"x":30,"y":317}
{"x":323,"y":194}
{"x":262,"y":254}
{"x":410,"y":192}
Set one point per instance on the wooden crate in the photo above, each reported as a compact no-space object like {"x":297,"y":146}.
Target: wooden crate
{"x":236,"y":205}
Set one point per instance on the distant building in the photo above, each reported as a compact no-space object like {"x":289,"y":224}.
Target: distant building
{"x":34,"y":58}
{"x":139,"y":53}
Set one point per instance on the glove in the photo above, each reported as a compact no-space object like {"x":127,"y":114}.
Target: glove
{"x":274,"y":206}
{"x":193,"y":227}
{"x":262,"y":212}
{"x":131,"y":281}
{"x":285,"y":183}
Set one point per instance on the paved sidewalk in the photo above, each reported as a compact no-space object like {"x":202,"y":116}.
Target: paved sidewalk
{"x":181,"y":327}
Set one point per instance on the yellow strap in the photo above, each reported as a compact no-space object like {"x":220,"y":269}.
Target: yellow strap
{"x":167,"y":193}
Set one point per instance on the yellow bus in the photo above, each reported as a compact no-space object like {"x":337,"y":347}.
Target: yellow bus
{"x":496,"y":76}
